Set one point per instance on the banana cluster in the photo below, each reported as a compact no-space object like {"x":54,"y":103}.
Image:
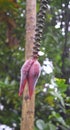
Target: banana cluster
{"x":39,"y":27}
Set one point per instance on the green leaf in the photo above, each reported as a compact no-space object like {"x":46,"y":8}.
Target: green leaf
{"x":63,"y":128}
{"x":40,"y":124}
{"x":59,"y":96}
{"x":61,"y":120}
{"x":50,"y":126}
{"x":61,"y":84}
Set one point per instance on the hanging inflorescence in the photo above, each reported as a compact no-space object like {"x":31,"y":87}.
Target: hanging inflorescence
{"x":39,"y":27}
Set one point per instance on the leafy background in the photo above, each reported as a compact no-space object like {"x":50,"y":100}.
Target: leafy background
{"x":52,"y":104}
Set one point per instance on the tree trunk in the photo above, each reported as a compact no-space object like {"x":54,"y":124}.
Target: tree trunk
{"x":27,"y":120}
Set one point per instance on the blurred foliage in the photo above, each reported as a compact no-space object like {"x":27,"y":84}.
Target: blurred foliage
{"x":52,"y":109}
